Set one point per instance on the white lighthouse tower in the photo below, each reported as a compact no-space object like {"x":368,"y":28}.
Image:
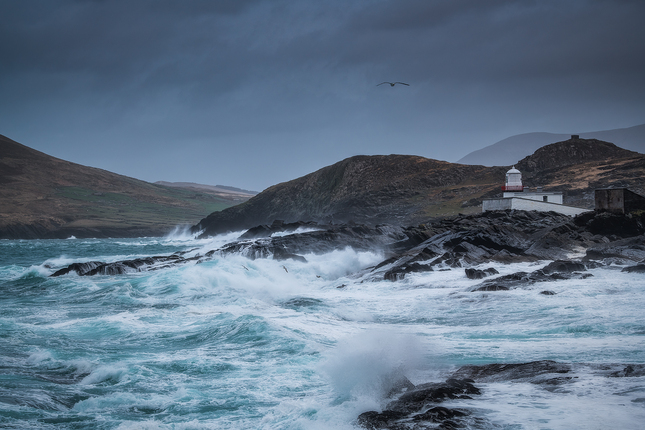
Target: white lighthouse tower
{"x":513,"y":180}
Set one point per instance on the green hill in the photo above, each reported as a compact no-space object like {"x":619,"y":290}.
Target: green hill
{"x":45,"y":197}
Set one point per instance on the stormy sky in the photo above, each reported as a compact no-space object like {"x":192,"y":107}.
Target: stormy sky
{"x":250,"y":93}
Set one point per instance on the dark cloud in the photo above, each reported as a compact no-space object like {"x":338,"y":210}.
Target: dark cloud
{"x":269,"y":90}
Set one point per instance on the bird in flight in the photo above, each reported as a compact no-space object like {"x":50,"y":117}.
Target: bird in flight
{"x":394,"y":83}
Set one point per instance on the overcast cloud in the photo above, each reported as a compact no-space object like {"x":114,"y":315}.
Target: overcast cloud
{"x":252,"y":93}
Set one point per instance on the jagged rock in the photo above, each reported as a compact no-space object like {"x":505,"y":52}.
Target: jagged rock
{"x":547,"y":293}
{"x":399,"y":272}
{"x":463,"y":241}
{"x":492,"y":288}
{"x":278,"y":226}
{"x":421,"y":406}
{"x":509,"y":372}
{"x":373,"y":420}
{"x":554,"y":271}
{"x":429,"y":394}
{"x":79,"y":268}
{"x":564,"y":266}
{"x":610,"y":224}
{"x":480,"y":274}
{"x":639,"y":268}
{"x":631,"y":370}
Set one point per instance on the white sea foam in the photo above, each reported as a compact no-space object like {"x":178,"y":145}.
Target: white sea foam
{"x":109,"y":373}
{"x":240,"y":343}
{"x":296,"y":231}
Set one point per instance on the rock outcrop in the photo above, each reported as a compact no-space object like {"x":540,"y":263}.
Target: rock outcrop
{"x":422,"y":407}
{"x":458,"y":242}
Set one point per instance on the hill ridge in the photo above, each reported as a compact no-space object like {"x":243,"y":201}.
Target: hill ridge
{"x":512,"y":149}
{"x":46,"y":197}
{"x":406,"y":189}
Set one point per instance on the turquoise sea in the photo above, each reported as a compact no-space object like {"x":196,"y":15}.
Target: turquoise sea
{"x":234,"y":343}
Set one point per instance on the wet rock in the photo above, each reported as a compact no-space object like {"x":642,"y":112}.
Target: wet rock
{"x":479,"y":274}
{"x":373,"y":420}
{"x":399,"y":272}
{"x":439,"y":414}
{"x":555,"y":271}
{"x":610,"y":224}
{"x":79,"y":268}
{"x":278,"y":226}
{"x":639,"y":268}
{"x":492,"y":288}
{"x":510,"y":372}
{"x":547,"y":293}
{"x":621,"y":251}
{"x":564,"y":266}
{"x":420,"y":406}
{"x":631,"y":370}
{"x":429,"y":394}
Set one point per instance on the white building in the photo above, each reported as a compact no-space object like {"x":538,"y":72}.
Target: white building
{"x":517,"y":196}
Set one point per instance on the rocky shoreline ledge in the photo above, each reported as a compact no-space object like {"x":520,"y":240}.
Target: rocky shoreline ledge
{"x":572,"y":244}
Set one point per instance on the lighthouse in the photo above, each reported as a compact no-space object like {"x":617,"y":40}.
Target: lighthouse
{"x":513,"y":180}
{"x":517,"y":196}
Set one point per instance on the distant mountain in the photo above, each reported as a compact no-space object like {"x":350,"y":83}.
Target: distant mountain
{"x":222,"y":190}
{"x":46,"y":197}
{"x":512,"y":149}
{"x":407,"y":190}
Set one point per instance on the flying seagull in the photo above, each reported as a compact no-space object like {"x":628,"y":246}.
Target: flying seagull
{"x":394,"y":83}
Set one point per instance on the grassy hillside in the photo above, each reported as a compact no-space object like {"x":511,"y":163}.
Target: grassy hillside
{"x":42,"y":196}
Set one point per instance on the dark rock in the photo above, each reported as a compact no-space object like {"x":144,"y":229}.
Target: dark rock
{"x":557,"y":270}
{"x":439,"y":414}
{"x":639,"y":268}
{"x":547,"y":293}
{"x":631,"y":370}
{"x":429,"y":394}
{"x":610,"y":224}
{"x":79,"y":268}
{"x":399,"y":272}
{"x":492,"y":288}
{"x":563,"y":266}
{"x":420,"y":406}
{"x":386,"y":262}
{"x":282,"y":254}
{"x":510,"y":372}
{"x":278,"y":226}
{"x":479,"y":274}
{"x":373,"y":420}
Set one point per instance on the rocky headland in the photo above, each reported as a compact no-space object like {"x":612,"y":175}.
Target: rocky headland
{"x":409,"y":190}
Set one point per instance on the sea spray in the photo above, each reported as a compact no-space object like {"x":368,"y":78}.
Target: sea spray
{"x":372,"y":364}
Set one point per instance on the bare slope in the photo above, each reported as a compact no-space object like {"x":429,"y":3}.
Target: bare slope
{"x":407,"y":190}
{"x":42,"y":196}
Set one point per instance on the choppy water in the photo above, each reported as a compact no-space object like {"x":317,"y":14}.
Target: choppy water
{"x":240,"y":344}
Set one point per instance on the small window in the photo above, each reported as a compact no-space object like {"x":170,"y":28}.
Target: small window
{"x":545,"y":199}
